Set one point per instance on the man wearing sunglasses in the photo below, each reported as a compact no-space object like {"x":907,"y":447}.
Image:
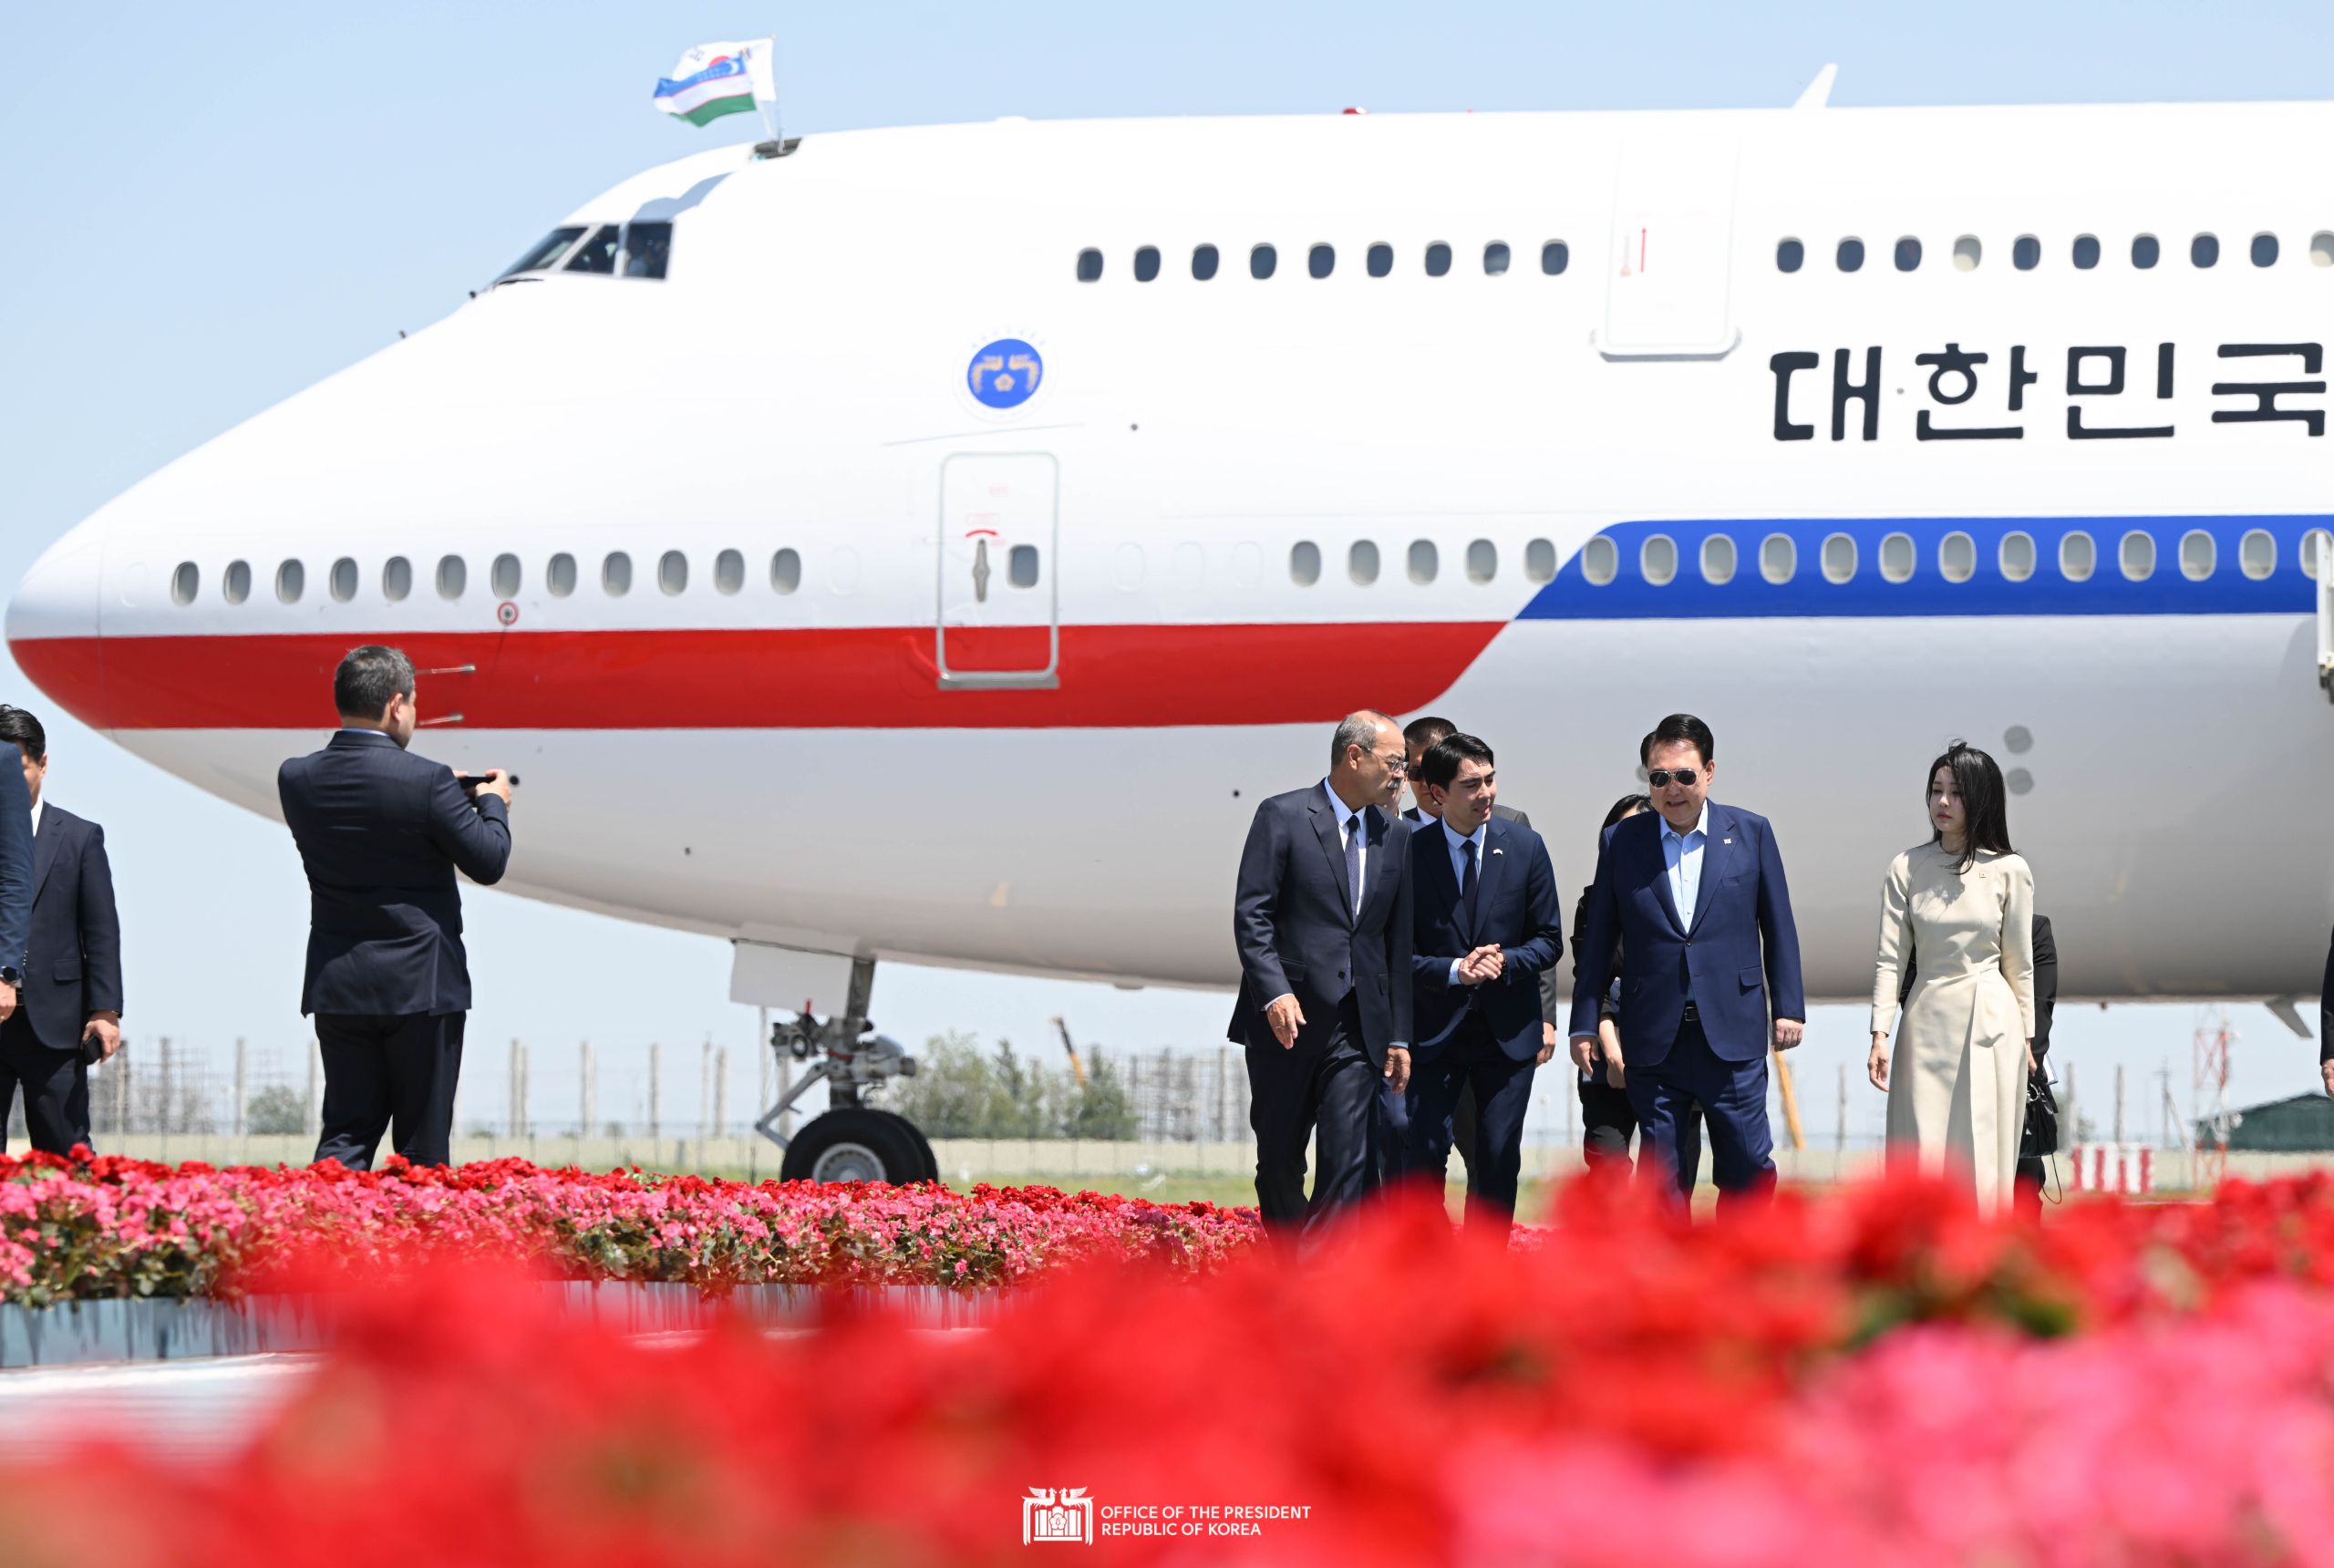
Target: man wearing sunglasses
{"x":1709,"y":964}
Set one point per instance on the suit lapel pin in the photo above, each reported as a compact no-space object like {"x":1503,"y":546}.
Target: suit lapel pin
{"x":1725,"y":840}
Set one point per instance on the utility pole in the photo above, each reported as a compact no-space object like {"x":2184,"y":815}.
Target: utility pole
{"x":2119,"y":1102}
{"x":242,"y":1073}
{"x":656,"y":1096}
{"x":588,"y":1107}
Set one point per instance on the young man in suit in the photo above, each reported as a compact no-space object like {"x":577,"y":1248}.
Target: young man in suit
{"x":1321,"y":920}
{"x":1486,"y":925}
{"x":1709,"y":964}
{"x":381,"y":833}
{"x":70,"y":1010}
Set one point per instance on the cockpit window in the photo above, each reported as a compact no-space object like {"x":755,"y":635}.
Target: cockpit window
{"x":553,"y":246}
{"x":647,"y":248}
{"x":596,"y":255}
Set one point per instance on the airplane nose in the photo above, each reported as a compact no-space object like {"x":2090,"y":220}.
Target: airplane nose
{"x":52,"y":626}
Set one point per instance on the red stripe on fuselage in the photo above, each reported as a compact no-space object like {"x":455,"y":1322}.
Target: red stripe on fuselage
{"x":865,"y":677}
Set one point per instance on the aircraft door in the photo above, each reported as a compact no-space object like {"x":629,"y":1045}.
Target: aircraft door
{"x":999,"y":606}
{"x":1669,"y":274}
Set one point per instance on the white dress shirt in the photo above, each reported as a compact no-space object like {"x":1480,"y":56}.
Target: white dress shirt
{"x":1682,"y":854}
{"x":1458,"y":843}
{"x":36,"y":806}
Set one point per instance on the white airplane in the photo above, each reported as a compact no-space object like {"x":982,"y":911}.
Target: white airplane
{"x":932,"y":544}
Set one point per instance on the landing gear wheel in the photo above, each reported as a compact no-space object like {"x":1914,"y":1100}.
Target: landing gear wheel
{"x":856,"y":1145}
{"x":931,"y":1163}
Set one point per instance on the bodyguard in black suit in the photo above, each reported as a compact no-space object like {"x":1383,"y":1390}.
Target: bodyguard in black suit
{"x":381,"y":834}
{"x":72,"y":991}
{"x":1321,"y":918}
{"x":1485,"y":924}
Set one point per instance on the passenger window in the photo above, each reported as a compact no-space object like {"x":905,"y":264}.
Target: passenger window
{"x":1495,"y":258}
{"x":598,"y":253}
{"x":1778,"y":558}
{"x":2026,"y":252}
{"x":559,"y":575}
{"x":1718,"y":560}
{"x":1021,"y":566}
{"x":2197,"y":555}
{"x":504,"y":577}
{"x":2264,"y":250}
{"x":1482,"y":560}
{"x":343,"y":581}
{"x":1554,"y":257}
{"x":786,"y":572}
{"x":1967,"y":251}
{"x":2321,"y":249}
{"x":2145,"y":251}
{"x":1790,"y":257}
{"x":1424,"y":562}
{"x":2204,"y":251}
{"x":1304,"y":564}
{"x":453,"y":576}
{"x":616,"y":574}
{"x":2086,"y":250}
{"x":1090,"y":265}
{"x":1896,"y":558}
{"x":1539,"y":561}
{"x":671,"y":572}
{"x":185,"y":583}
{"x":2078,"y":557}
{"x":1203,"y":261}
{"x":1839,"y":558}
{"x":1261,"y":260}
{"x":728,"y":571}
{"x":2313,"y":543}
{"x":2256,"y":554}
{"x":1437,"y":259}
{"x":291,"y":581}
{"x":1361,"y":562}
{"x":1908,"y":254}
{"x":549,"y":249}
{"x":1321,"y":261}
{"x":647,"y":248}
{"x":2016,"y":557}
{"x":397,"y":579}
{"x":1146,"y":263}
{"x":2137,"y":555}
{"x":1600,"y":560}
{"x":1658,"y":560}
{"x":237,"y":586}
{"x":1850,"y":256}
{"x":1381,"y":260}
{"x":1957,"y":558}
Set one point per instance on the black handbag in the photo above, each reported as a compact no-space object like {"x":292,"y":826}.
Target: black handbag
{"x":2042,"y":1134}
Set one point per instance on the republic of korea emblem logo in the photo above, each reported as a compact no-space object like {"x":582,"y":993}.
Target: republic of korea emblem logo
{"x":1050,"y":1514}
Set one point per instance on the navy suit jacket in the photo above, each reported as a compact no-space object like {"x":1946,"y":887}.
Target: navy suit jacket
{"x":381,"y":833}
{"x":73,"y":963}
{"x":1292,"y":923}
{"x":1516,"y":907}
{"x":1740,"y":954}
{"x":15,"y":865}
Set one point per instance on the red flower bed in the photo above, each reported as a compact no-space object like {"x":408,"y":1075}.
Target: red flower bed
{"x":1877,"y":1376}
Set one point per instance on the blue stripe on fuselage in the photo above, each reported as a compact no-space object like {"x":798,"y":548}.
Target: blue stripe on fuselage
{"x":2167,"y":591}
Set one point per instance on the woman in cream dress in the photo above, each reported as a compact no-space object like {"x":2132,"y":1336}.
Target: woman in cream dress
{"x":1958,"y":914}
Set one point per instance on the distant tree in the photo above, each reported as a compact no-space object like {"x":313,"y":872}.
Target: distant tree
{"x":955,"y":1092}
{"x":277,"y":1110}
{"x":1101,"y":1108}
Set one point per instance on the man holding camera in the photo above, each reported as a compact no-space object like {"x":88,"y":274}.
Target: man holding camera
{"x":67,"y":1002}
{"x":381,"y":833}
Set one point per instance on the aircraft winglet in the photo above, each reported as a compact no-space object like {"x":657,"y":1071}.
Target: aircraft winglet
{"x":1819,"y":91}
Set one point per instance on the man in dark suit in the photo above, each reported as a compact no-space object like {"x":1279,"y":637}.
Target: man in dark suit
{"x":69,"y":1013}
{"x":1710,"y":956}
{"x":1486,"y":923}
{"x":2325,"y":1023}
{"x":2027,"y":1195}
{"x":1321,"y":918}
{"x":381,"y":834}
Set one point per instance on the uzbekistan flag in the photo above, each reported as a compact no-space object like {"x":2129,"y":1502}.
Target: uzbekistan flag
{"x":715,"y":80}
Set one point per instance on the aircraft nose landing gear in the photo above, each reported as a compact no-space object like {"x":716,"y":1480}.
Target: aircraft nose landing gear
{"x":852,"y":1142}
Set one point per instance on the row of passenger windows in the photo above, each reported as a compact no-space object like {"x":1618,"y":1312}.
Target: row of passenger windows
{"x":1320,"y":261}
{"x":2026,"y":252}
{"x":1422,"y":561}
{"x":1957,"y":557}
{"x":505,"y":578}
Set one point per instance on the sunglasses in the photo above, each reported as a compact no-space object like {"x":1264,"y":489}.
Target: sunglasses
{"x":1660,"y":777}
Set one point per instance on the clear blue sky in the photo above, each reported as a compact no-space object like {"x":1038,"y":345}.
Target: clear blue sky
{"x":213,"y":207}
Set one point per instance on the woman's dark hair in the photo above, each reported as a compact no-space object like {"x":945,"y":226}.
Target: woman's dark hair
{"x":1977,"y":779}
{"x":1625,"y":805}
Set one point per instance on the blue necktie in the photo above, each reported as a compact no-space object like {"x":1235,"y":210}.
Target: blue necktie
{"x":1467,"y":885}
{"x":1353,"y":860}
